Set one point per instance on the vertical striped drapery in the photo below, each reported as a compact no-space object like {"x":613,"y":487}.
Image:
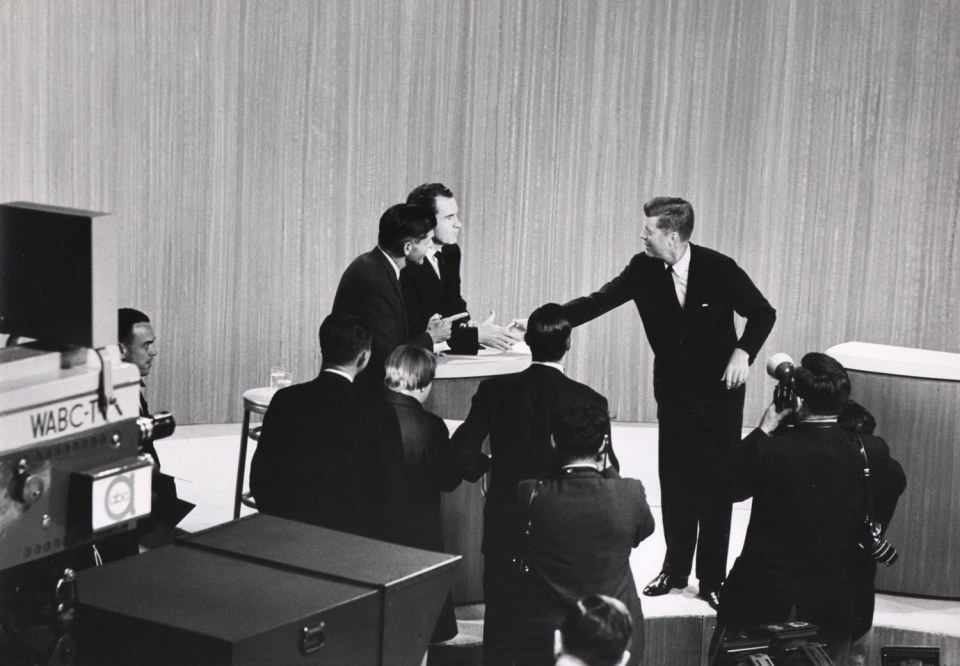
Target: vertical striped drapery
{"x":247,"y":149}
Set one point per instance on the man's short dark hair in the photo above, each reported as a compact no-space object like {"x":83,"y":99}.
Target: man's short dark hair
{"x":823,"y":384}
{"x":426,"y":195}
{"x":404,"y":222}
{"x":548,"y":333}
{"x":597,"y":630}
{"x":342,"y":338}
{"x":580,"y":427}
{"x":672,"y":213}
{"x":127,"y":318}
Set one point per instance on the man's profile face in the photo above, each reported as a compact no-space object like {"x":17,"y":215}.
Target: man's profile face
{"x":416,"y":250}
{"x":448,"y":221}
{"x":656,"y":242}
{"x":142,"y":348}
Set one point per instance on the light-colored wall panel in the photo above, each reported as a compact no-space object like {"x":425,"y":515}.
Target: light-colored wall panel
{"x":247,"y":149}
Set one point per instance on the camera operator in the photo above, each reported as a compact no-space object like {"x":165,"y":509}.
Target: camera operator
{"x":801,"y":558}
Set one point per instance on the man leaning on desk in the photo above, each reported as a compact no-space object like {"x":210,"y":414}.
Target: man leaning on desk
{"x":431,"y":289}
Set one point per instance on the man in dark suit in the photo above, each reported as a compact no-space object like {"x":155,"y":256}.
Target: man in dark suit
{"x":432,"y":287}
{"x":316,"y":460}
{"x":370,"y":288}
{"x":138,"y":345}
{"x":515,"y":410}
{"x":580,"y":528}
{"x":686,"y":296}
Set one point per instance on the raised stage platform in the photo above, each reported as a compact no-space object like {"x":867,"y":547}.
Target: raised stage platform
{"x":203,"y":458}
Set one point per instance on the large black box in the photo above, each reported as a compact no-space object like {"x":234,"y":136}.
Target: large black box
{"x":262,"y":590}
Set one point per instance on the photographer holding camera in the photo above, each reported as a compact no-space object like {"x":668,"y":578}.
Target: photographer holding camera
{"x":802,"y":558}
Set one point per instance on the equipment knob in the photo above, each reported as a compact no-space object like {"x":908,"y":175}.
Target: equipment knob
{"x":30,"y":487}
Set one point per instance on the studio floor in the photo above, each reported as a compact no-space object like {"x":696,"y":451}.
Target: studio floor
{"x":203,"y":459}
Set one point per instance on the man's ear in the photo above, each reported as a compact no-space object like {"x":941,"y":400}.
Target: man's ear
{"x":407,"y":248}
{"x":123,"y":350}
{"x":362,"y":360}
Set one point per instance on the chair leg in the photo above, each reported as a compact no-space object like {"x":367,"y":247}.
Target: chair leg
{"x":242,"y":463}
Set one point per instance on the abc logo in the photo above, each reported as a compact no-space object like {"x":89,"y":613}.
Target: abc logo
{"x":118,"y":501}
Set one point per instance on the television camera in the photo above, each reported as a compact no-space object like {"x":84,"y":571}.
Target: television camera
{"x":70,"y":431}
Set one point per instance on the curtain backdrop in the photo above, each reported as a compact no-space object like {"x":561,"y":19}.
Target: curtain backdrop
{"x":246,"y":150}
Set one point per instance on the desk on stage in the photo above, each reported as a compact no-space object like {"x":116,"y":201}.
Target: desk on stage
{"x":456,"y":382}
{"x":915,"y":396}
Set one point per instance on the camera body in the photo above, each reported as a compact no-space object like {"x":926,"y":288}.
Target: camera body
{"x":781,"y":367}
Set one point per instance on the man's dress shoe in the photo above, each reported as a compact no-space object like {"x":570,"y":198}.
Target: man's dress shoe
{"x":663,"y":583}
{"x":712,"y":597}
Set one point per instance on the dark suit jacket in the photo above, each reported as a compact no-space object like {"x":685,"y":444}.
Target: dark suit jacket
{"x":426,"y":294}
{"x":316,"y":460}
{"x":808,"y":508}
{"x":692,"y":345}
{"x":370,"y":290}
{"x":514,"y":410}
{"x":583,"y":528}
{"x":417,"y":467}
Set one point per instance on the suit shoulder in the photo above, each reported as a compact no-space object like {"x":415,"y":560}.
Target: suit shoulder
{"x":708,"y":255}
{"x":574,"y":388}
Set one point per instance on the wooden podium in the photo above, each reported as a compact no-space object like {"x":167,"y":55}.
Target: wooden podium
{"x":455,"y":384}
{"x":915,"y":396}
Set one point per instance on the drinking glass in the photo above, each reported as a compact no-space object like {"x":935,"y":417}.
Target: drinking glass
{"x":280,"y":378}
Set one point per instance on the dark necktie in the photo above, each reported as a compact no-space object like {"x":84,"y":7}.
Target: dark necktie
{"x":672,"y":286}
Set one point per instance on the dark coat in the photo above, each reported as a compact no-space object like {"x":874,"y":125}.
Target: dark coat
{"x":583,"y":528}
{"x":692,"y":346}
{"x":425,"y":293}
{"x":317,"y":459}
{"x":808,"y":508}
{"x":416,"y":467}
{"x":514,"y":410}
{"x":370,"y":290}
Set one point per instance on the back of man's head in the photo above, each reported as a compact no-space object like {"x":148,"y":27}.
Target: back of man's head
{"x":548,"y":333}
{"x":342,"y":339}
{"x":672,"y":213}
{"x":580,"y":427}
{"x":596,"y":631}
{"x":404,"y":222}
{"x":426,"y":195}
{"x":822,"y":383}
{"x":127,"y":318}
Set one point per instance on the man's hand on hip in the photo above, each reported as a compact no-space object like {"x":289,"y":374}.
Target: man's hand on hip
{"x":737,"y":370}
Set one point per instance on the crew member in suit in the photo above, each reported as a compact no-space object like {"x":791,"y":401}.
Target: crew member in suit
{"x":416,"y":463}
{"x":317,"y":460}
{"x":581,"y":526}
{"x":370,"y":288}
{"x":432,"y":287}
{"x":802,"y":557}
{"x":138,"y":345}
{"x":515,"y":411}
{"x":687,"y":295}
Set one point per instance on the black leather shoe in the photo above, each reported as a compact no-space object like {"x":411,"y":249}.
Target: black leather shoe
{"x":663,"y":583}
{"x":712,"y":597}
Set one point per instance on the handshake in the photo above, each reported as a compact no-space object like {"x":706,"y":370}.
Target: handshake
{"x":489,"y":334}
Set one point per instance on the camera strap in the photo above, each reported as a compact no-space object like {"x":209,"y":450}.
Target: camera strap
{"x":868,"y":492}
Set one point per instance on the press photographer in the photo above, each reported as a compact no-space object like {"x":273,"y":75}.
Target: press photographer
{"x":802,"y":558}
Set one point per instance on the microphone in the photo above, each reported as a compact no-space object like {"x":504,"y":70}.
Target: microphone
{"x":780,"y":367}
